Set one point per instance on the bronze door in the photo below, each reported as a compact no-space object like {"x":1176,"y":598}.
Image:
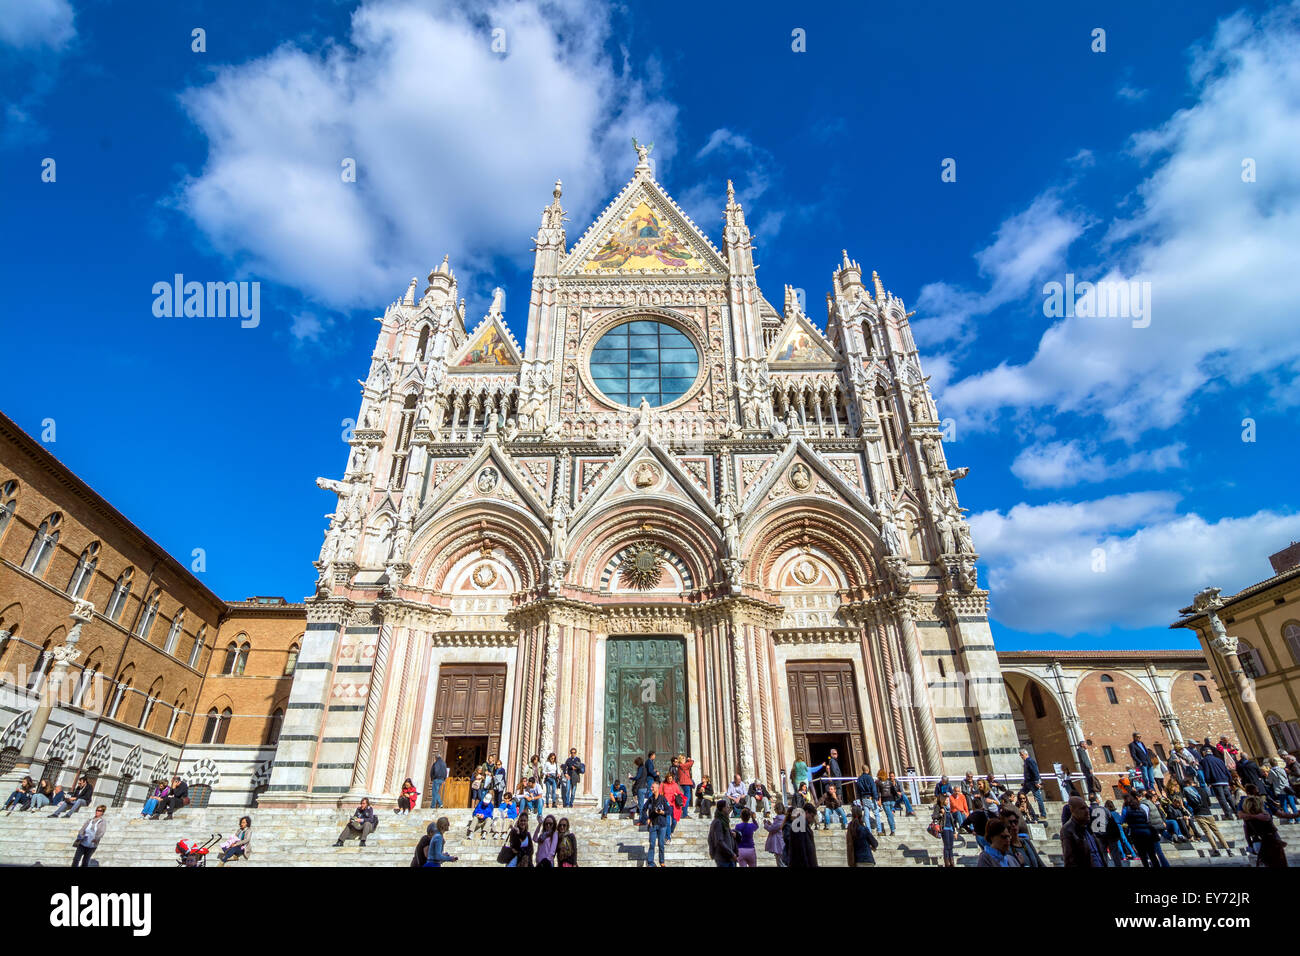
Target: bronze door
{"x":645,"y":703}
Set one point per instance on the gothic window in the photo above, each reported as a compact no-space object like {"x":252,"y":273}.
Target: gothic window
{"x":42,"y":546}
{"x":174,"y":633}
{"x":232,"y":658}
{"x":119,"y":694}
{"x":241,"y":661}
{"x":117,"y":602}
{"x":154,"y":693}
{"x":214,"y":731}
{"x":1111,"y":696}
{"x":88,"y":674}
{"x":885,"y":412}
{"x":178,"y":709}
{"x":1108,"y":753}
{"x":1251,"y":661}
{"x":42,"y":664}
{"x":1198,"y":681}
{"x":1291,"y":634}
{"x":405,"y":426}
{"x":8,"y":504}
{"x":273,"y":727}
{"x":84,"y":572}
{"x":644,"y":359}
{"x":292,"y":662}
{"x":198,"y":646}
{"x":150,"y":615}
{"x":422,"y":346}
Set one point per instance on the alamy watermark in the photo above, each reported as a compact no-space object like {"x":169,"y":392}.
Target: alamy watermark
{"x":1100,"y":300}
{"x":211,"y":300}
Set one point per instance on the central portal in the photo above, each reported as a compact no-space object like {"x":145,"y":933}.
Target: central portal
{"x":645,"y":703}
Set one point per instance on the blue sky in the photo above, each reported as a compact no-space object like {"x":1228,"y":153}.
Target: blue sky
{"x":1109,"y":476}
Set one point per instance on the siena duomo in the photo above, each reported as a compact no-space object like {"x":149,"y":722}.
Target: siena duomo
{"x":672,"y":517}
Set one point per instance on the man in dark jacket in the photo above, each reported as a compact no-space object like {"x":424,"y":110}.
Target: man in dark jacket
{"x":437,"y":778}
{"x":1142,"y":760}
{"x":1218,"y":779}
{"x":722,"y":841}
{"x":868,"y":798}
{"x":1248,"y":770}
{"x":573,"y":770}
{"x":177,"y":798}
{"x":361,"y":824}
{"x":80,"y":796}
{"x":1085,"y":766}
{"x":1032,"y":781}
{"x":657,"y":813}
{"x":833,"y":765}
{"x":1079,"y":847}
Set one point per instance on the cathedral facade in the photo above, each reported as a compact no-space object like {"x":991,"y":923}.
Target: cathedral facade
{"x":670,"y":518}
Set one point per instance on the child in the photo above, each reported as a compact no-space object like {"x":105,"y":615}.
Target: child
{"x":505,"y":816}
{"x":482,"y":814}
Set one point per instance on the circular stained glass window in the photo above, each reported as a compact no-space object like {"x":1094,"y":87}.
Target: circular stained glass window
{"x":644,"y":359}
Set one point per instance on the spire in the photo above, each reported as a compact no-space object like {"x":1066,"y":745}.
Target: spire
{"x":731,"y":196}
{"x":442,"y":281}
{"x":849,"y":277}
{"x":880,"y":286}
{"x":409,"y":298}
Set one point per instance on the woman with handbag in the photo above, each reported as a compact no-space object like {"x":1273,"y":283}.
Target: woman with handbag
{"x":518,"y":848}
{"x":943,"y":824}
{"x":406,"y":802}
{"x":551,"y":777}
{"x":566,"y":852}
{"x":546,"y":839}
{"x":240,"y":845}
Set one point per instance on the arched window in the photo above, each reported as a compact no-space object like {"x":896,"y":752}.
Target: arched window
{"x":8,"y":504}
{"x":198,"y":646}
{"x":241,"y":661}
{"x":1251,"y":661}
{"x":273,"y":728}
{"x":117,"y":602}
{"x":214,"y":731}
{"x":1108,"y":682}
{"x":1198,"y":681}
{"x":292,"y":662}
{"x":43,"y":661}
{"x":84,"y":572}
{"x":119,"y":693}
{"x":89,"y":672}
{"x":42,"y":546}
{"x":178,"y":708}
{"x":232,"y":659}
{"x":150,"y":615}
{"x":422,"y":346}
{"x":405,"y":426}
{"x":1291,"y":634}
{"x":147,"y":711}
{"x":174,"y":633}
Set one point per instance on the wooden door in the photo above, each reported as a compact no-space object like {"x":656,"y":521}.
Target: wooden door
{"x":824,"y":701}
{"x":467,"y":715}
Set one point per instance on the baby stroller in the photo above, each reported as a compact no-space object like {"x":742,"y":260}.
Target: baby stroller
{"x":193,"y":853}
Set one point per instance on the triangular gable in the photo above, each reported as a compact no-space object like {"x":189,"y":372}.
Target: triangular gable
{"x":645,"y":448}
{"x":489,"y":454}
{"x":799,"y":344}
{"x":644,"y":231}
{"x":489,"y":347}
{"x":822,"y":479}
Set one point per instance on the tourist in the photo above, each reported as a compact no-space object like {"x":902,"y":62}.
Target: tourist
{"x":704,"y":797}
{"x":437,"y":840}
{"x":1279,"y":785}
{"x":1218,"y":778}
{"x":888,"y":799}
{"x":551,"y":777}
{"x":546,"y":839}
{"x":78,"y":798}
{"x":1032,"y":781}
{"x":407,"y":798}
{"x":505,"y":816}
{"x":157,"y":796}
{"x":615,"y":799}
{"x":421,"y":855}
{"x":1063,"y":783}
{"x":903,"y":800}
{"x":657,"y":812}
{"x":997,"y":848}
{"x":832,"y":765}
{"x":497,"y":777}
{"x":676,"y":804}
{"x":685,"y":767}
{"x":746,"y":854}
{"x":1116,"y":818}
{"x":960,"y":808}
{"x":574,"y":768}
{"x":1142,"y":832}
{"x":722,"y":840}
{"x":477,"y":789}
{"x":1178,"y":821}
{"x":1236,"y":792}
{"x":22,"y":797}
{"x":640,"y":778}
{"x":799,"y":842}
{"x":1251,"y":775}
{"x":534,"y":769}
{"x":1080,"y":847}
{"x":361,"y":824}
{"x":42,"y":796}
{"x":979,"y":819}
{"x":802,"y":795}
{"x":482,"y":815}
{"x":437,"y":780}
{"x":1020,"y":846}
{"x":867,"y":796}
{"x":533,"y":796}
{"x":1085,"y":766}
{"x":799,"y":773}
{"x":1203,"y":817}
{"x":775,"y":843}
{"x":830,"y":805}
{"x":566,"y":853}
{"x":969,"y":786}
{"x":88,"y":837}
{"x":759,"y":799}
{"x":1142,"y":761}
{"x":1261,"y":832}
{"x":240,"y":845}
{"x":861,"y":841}
{"x":942,"y":787}
{"x":947,"y":821}
{"x":519,"y":844}
{"x":178,"y":799}
{"x":651,"y":773}
{"x":1158,"y":769}
{"x":736,"y":793}
{"x":1021,"y":804}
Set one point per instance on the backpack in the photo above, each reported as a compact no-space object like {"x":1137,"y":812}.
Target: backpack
{"x":1154,"y":815}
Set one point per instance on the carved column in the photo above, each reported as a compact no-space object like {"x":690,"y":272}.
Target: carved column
{"x":744,"y":721}
{"x":1255,"y":724}
{"x":361,"y":769}
{"x":550,"y":688}
{"x":924,"y":716}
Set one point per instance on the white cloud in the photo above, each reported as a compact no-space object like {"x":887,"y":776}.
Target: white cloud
{"x":1060,"y":464}
{"x":1130,"y":93}
{"x":457,"y":147}
{"x":45,"y":25}
{"x":1219,"y":253}
{"x":750,"y":167}
{"x":1028,"y":246}
{"x":1041,"y":560}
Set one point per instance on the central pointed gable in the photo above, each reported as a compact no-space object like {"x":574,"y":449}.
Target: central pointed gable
{"x":643,"y":231}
